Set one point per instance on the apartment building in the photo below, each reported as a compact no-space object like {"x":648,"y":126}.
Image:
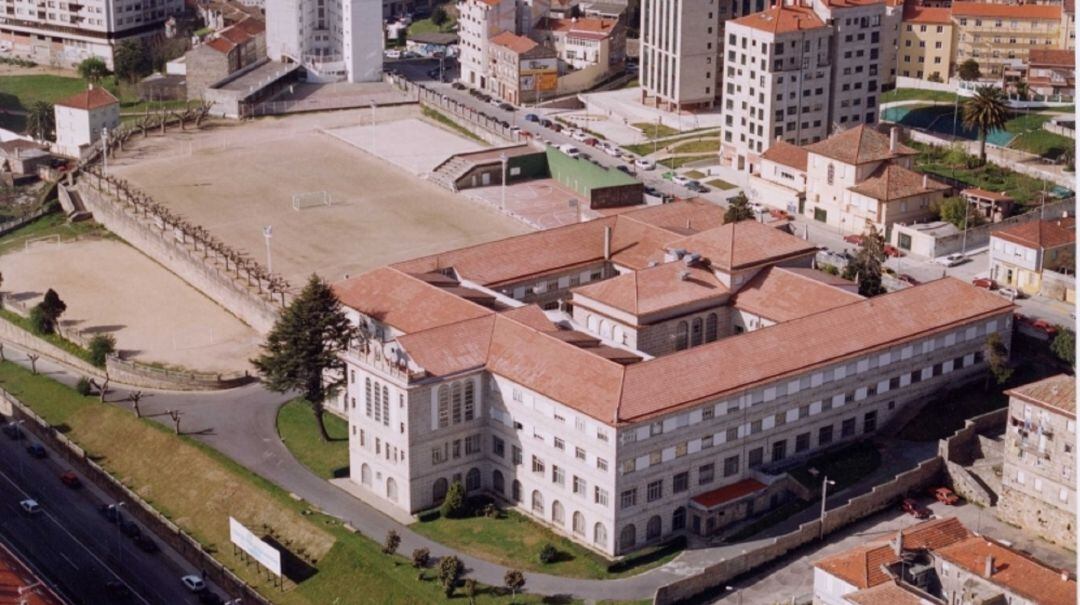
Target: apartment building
{"x":649,"y":398}
{"x":890,"y":39}
{"x":999,"y":37}
{"x":521,"y":70}
{"x":939,"y":561}
{"x":681,"y":51}
{"x":66,"y":33}
{"x":478,"y":22}
{"x":1052,"y":73}
{"x":334,"y":40}
{"x":777,"y":73}
{"x":856,"y":59}
{"x":926,"y":43}
{"x":861,"y":176}
{"x":1023,"y":256}
{"x":1038,"y":477}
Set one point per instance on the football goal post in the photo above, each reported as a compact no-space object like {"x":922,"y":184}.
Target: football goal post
{"x":310,"y":199}
{"x":53,"y":239}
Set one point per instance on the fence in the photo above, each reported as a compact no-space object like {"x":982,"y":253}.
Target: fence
{"x":467,"y":117}
{"x":167,"y":531}
{"x":722,"y":572}
{"x":1065,"y":128}
{"x":18,"y":222}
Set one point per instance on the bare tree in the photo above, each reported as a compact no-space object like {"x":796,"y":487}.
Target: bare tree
{"x":33,"y":361}
{"x":2,"y":358}
{"x":104,"y":388}
{"x":135,"y":397}
{"x":175,"y":415}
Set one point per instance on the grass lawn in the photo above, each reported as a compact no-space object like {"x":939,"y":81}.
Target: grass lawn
{"x":50,"y":224}
{"x":916,"y":94}
{"x":700,"y":146}
{"x":198,"y":488}
{"x":845,"y":465}
{"x":721,"y":184}
{"x":1033,"y":138}
{"x":20,"y":92}
{"x":694,"y":174}
{"x":452,"y":125}
{"x":654,"y":130}
{"x":426,"y":26}
{"x":515,"y":541}
{"x":935,"y":161}
{"x":681,"y":161}
{"x":54,"y":339}
{"x":298,"y":430}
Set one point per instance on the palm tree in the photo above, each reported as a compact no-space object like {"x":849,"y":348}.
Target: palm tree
{"x":985,"y":111}
{"x":40,"y":121}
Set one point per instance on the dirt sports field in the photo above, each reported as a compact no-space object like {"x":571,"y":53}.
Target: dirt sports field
{"x":234,"y":179}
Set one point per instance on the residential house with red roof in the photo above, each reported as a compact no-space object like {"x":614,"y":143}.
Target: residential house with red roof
{"x":82,"y":118}
{"x":520,"y":68}
{"x":234,"y":48}
{"x":1051,"y":73}
{"x":1023,"y":256}
{"x":1038,"y":477}
{"x":478,"y":23}
{"x":634,"y":377}
{"x":780,"y":179}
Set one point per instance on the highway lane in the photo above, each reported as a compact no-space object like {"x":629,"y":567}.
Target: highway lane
{"x":72,"y":545}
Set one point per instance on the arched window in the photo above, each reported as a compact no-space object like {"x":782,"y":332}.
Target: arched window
{"x":653,"y":528}
{"x":558,"y":515}
{"x":579,"y":523}
{"x":590,"y":322}
{"x":438,"y":491}
{"x":455,"y":407}
{"x":599,"y":535}
{"x":710,"y":327}
{"x":472,"y":480}
{"x":391,"y":489}
{"x":470,"y":400}
{"x":386,"y":406}
{"x":498,"y":483}
{"x":444,"y":406}
{"x":515,"y":490}
{"x":365,"y":474}
{"x":696,"y":333}
{"x":680,"y":336}
{"x":678,"y":519}
{"x":628,"y":537}
{"x":537,"y":502}
{"x":605,"y":328}
{"x":830,"y":173}
{"x":620,"y":335}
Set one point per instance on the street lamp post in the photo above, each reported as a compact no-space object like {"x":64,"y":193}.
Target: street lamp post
{"x":504,"y":160}
{"x":268,"y":232}
{"x":119,"y":520}
{"x":825,"y":483}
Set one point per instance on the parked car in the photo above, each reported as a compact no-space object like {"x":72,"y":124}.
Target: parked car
{"x":1045,"y":327}
{"x":570,"y":150}
{"x":507,"y":107}
{"x":891,"y":250}
{"x":984,"y":282}
{"x":557,"y":127}
{"x":194,"y":583}
{"x":392,"y":53}
{"x":145,"y":544}
{"x":944,"y":495}
{"x":679,"y":179}
{"x":457,"y":86}
{"x":645,"y":164}
{"x":208,"y":597}
{"x":532,"y":117}
{"x":697,"y":187}
{"x":30,"y":506}
{"x":130,"y":529}
{"x":913,"y":508}
{"x":36,"y":450}
{"x":14,"y":432}
{"x":624,"y":168}
{"x":70,"y":479}
{"x":1009,"y":293}
{"x":951,"y":260}
{"x":110,"y":511}
{"x":613,"y":151}
{"x":591,"y":141}
{"x":579,"y":135}
{"x":494,"y":102}
{"x":854,"y":239}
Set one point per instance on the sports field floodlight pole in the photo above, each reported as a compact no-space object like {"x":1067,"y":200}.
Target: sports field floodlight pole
{"x":825,"y":483}
{"x":505,"y":161}
{"x":268,"y":232}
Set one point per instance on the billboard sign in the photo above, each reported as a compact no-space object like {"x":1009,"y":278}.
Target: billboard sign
{"x":268,"y":556}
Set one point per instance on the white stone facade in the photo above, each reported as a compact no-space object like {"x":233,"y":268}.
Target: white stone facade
{"x":334,"y":39}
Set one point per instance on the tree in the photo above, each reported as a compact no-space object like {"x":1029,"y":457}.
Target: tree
{"x":450,"y":570}
{"x":129,"y":60}
{"x":1064,"y":345}
{"x":997,"y":356}
{"x":969,"y":70}
{"x":135,"y":398}
{"x":45,"y":316}
{"x":867,"y":266}
{"x":420,"y":558}
{"x":514,"y":580}
{"x":41,"y":121}
{"x":101,"y":346}
{"x":453,"y":505}
{"x":738,"y":209}
{"x":390,"y":545}
{"x":934,"y":77}
{"x":548,"y":554}
{"x":439,"y":17}
{"x":985,"y":111}
{"x":39,"y":323}
{"x":953,"y":209}
{"x":33,"y":357}
{"x":93,"y":69}
{"x":303,"y":350}
{"x":1023,"y":91}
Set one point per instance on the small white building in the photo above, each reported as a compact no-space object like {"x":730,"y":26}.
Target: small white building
{"x":80,"y":119}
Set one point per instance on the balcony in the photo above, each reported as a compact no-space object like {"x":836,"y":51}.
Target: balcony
{"x":371,"y":355}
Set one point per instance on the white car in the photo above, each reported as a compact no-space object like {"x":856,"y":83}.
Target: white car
{"x":951,"y":260}
{"x":30,"y":506}
{"x":681,"y":180}
{"x":392,"y":53}
{"x":579,"y":135}
{"x":194,"y":583}
{"x":645,"y":164}
{"x":570,"y":150}
{"x":613,"y":151}
{"x":1009,"y":293}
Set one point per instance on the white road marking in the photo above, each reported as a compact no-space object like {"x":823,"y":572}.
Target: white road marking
{"x":70,"y":562}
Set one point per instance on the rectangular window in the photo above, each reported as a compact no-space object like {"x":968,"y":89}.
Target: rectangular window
{"x":437,"y":456}
{"x":802,"y":442}
{"x":579,"y":453}
{"x":472,"y":445}
{"x":825,"y":435}
{"x":705,"y":474}
{"x":580,"y":487}
{"x":680,"y":482}
{"x":600,"y":496}
{"x":847,"y":428}
{"x":756,"y":457}
{"x":456,"y":449}
{"x":537,"y":465}
{"x":628,"y":498}
{"x":558,"y":475}
{"x":731,"y":465}
{"x":515,"y":454}
{"x":870,"y":422}
{"x":560,"y":444}
{"x":779,"y":450}
{"x":601,"y":464}
{"x":655,"y":490}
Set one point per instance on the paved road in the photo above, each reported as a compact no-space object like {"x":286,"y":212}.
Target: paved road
{"x":70,"y":543}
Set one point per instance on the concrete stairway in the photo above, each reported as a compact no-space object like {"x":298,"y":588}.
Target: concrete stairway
{"x":447,"y":173}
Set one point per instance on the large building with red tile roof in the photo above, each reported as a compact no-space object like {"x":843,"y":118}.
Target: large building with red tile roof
{"x":603,"y":375}
{"x":1023,"y":256}
{"x":19,"y":585}
{"x":1038,"y":477}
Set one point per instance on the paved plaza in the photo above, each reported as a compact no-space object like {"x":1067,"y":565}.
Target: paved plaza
{"x":411,"y":144}
{"x":623,"y":107}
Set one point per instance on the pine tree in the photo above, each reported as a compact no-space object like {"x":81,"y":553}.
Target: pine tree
{"x":738,"y":209}
{"x":869,"y":263}
{"x":303,"y":350}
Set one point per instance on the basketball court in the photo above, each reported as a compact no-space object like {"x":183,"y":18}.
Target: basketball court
{"x":237,"y":179}
{"x":541,"y":203}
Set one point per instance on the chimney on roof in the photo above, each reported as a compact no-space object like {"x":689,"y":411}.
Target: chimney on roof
{"x":607,"y":243}
{"x":925,"y":181}
{"x":898,"y":543}
{"x":988,"y":571}
{"x":688,"y":224}
{"x":1064,"y":575}
{"x":894,"y":138}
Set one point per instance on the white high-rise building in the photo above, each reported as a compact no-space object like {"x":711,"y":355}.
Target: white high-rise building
{"x":66,"y":33}
{"x":333,"y":39}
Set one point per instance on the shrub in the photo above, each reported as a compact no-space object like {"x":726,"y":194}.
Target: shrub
{"x":450,"y":569}
{"x":548,"y":554}
{"x":453,"y":506}
{"x":39,"y":321}
{"x":101,"y":346}
{"x":420,"y":558}
{"x":83,"y":386}
{"x":491,"y":511}
{"x":390,"y":545}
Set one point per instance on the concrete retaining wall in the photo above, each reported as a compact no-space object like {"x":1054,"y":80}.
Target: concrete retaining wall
{"x":191,"y":266}
{"x":720,"y":573}
{"x":163,"y":529}
{"x":962,"y":448}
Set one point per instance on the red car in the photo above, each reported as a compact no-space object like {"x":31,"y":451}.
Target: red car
{"x":944,"y":495}
{"x":1045,"y":327}
{"x":907,"y":279}
{"x":70,"y":479}
{"x":915,"y":509}
{"x":891,"y":250}
{"x":854,"y":239}
{"x":984,"y":282}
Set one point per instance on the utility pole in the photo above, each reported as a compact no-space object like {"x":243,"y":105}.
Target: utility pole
{"x":825,"y":483}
